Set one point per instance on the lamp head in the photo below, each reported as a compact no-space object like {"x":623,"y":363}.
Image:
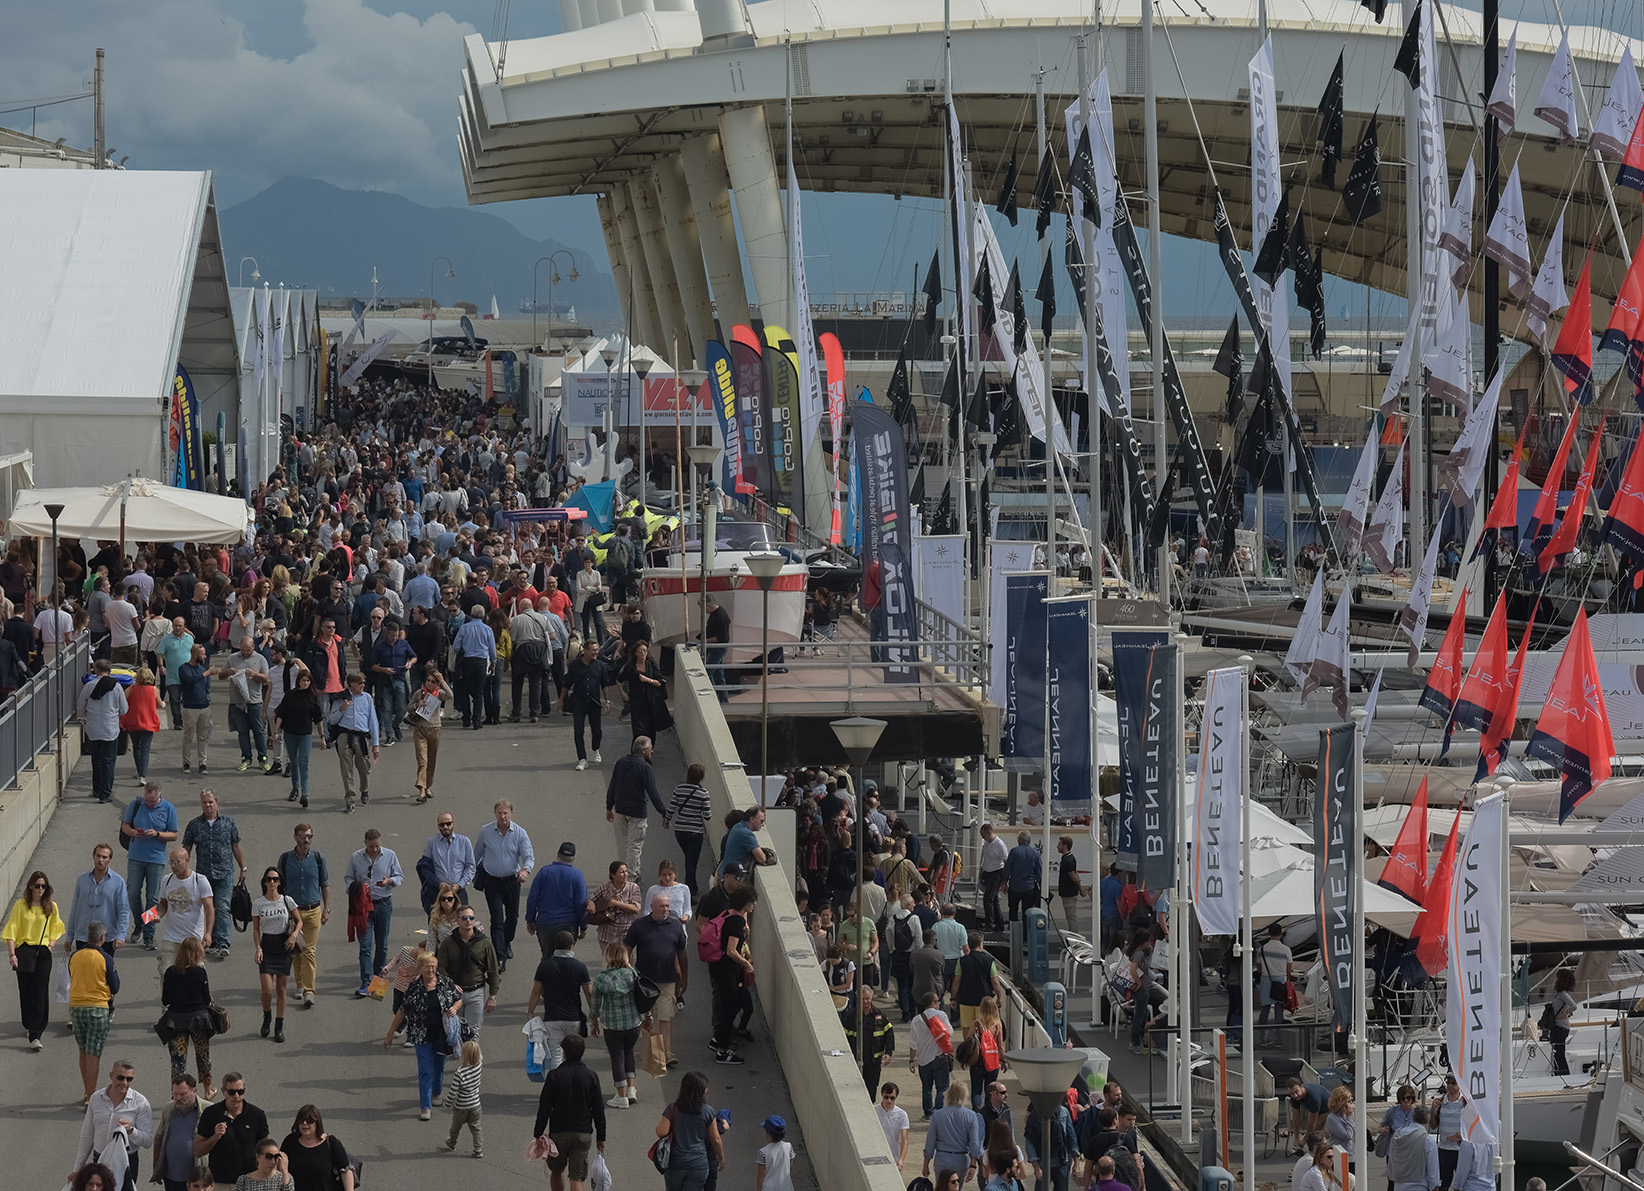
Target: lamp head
{"x":1046,"y":1070}
{"x":643,"y":366}
{"x":574,"y":273}
{"x":858,"y":736}
{"x":54,"y":511}
{"x":765,"y":568}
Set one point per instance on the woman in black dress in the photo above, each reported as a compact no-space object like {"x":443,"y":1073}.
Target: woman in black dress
{"x":279,"y":934}
{"x":648,"y":712}
{"x":315,"y":1159}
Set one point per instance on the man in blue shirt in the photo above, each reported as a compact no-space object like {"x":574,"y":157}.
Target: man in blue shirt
{"x":195,"y":679}
{"x":150,"y":823}
{"x":558,"y":900}
{"x":391,"y":660}
{"x":354,"y":723}
{"x":99,"y":896}
{"x":421,"y":591}
{"x":742,"y":844}
{"x":451,"y":857}
{"x":304,"y":879}
{"x":476,"y":650}
{"x":174,"y":650}
{"x":1110,"y":889}
{"x":215,"y":841}
{"x":503,"y":859}
{"x":1022,"y":875}
{"x":378,"y":869}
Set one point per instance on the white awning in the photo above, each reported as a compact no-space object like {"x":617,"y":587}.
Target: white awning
{"x":153,"y":513}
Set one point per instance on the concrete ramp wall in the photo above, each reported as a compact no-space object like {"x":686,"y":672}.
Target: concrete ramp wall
{"x":842,"y":1135}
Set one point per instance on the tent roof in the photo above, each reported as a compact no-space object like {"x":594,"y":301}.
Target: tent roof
{"x":154,"y":513}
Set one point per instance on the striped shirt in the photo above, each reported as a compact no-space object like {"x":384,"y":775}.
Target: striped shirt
{"x":688,"y":809}
{"x":465,"y":1086}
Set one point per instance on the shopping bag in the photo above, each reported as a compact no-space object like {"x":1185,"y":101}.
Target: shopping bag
{"x":62,"y":981}
{"x":378,"y":987}
{"x":599,"y":1175}
{"x":656,"y":1054}
{"x":534,"y":1065}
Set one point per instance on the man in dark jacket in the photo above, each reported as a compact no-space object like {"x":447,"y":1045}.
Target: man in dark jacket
{"x":880,"y":1035}
{"x":571,"y":1114}
{"x":585,"y":683}
{"x":633,"y":782}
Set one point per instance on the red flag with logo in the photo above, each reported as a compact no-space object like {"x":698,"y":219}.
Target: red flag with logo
{"x":1573,"y":732}
{"x":1625,"y":527}
{"x":1564,"y":537}
{"x":1573,"y":353}
{"x":1406,"y":869}
{"x":1488,"y":673}
{"x":1428,"y":937}
{"x":1444,"y":679}
{"x":1503,"y":512}
{"x":1546,"y":510}
{"x":1631,"y":172}
{"x":1492,"y":745}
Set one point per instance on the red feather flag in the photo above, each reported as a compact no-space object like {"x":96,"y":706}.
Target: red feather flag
{"x":1564,"y":537}
{"x":1573,"y":732}
{"x":1487,"y":677}
{"x":1503,"y":512}
{"x":1573,"y":353}
{"x":1631,"y":172}
{"x":1542,"y":516}
{"x":1406,"y":869}
{"x":1492,"y":746}
{"x":1444,"y":679}
{"x":1625,"y":527}
{"x":1429,"y":937}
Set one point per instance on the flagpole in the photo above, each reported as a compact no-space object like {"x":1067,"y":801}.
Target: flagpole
{"x":1413,"y":282}
{"x":1247,"y":959}
{"x":1181,"y":906}
{"x":1155,"y":264}
{"x":1504,"y":1146}
{"x":1087,"y":248}
{"x":1359,"y":1042}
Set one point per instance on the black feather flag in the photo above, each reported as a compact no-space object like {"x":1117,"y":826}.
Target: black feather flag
{"x":1044,"y":193}
{"x":1330,"y":124}
{"x":1082,"y":178}
{"x":982,"y":291}
{"x":943,"y":522}
{"x":1408,"y":62}
{"x":1362,"y":193}
{"x":1377,"y":7}
{"x":1273,"y":257}
{"x":1230,"y":363}
{"x":978,"y":415}
{"x":1018,"y":309}
{"x":1046,"y":295}
{"x":898,"y":393}
{"x":1309,"y":281}
{"x":1007,"y":418}
{"x":1007,"y":193}
{"x":933,"y":292}
{"x":1073,"y":258}
{"x":1158,"y":525}
{"x":950,"y":385}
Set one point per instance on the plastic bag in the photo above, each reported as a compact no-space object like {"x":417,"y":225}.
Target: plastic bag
{"x":62,"y":981}
{"x":599,"y":1175}
{"x":378,"y":988}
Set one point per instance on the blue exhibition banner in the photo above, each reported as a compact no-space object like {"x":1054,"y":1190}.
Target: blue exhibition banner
{"x":1022,"y":747}
{"x":1133,"y":660}
{"x":1069,"y":679}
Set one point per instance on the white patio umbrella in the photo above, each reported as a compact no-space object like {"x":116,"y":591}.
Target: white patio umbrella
{"x":137,"y":510}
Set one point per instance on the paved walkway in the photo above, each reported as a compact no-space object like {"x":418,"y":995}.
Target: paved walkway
{"x":333,"y":1055}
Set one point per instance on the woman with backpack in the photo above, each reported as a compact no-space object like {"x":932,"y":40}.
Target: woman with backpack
{"x":983,"y":1050}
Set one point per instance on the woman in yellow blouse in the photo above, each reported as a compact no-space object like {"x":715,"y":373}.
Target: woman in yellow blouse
{"x":29,"y":933}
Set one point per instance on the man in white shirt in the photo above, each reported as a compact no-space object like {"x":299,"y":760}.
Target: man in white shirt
{"x":123,"y":626}
{"x":187,"y":909}
{"x":118,"y":1106}
{"x":926,"y":1058}
{"x":994,"y":852}
{"x":52,"y":626}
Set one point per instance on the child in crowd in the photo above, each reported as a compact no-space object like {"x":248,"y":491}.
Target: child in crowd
{"x":465,"y":1099}
{"x":775,"y":1160}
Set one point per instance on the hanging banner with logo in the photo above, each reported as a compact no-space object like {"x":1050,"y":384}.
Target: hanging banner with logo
{"x":1004,"y":559}
{"x":365,"y":360}
{"x":1069,"y":726}
{"x":1472,"y":1005}
{"x":1336,"y":867}
{"x":185,"y":417}
{"x":887,"y":537}
{"x":722,"y":389}
{"x":1218,"y":818}
{"x":942,"y":573}
{"x":1145,"y":691}
{"x":833,"y":358}
{"x":1022,"y":726}
{"x":753,"y":408}
{"x":782,"y":389}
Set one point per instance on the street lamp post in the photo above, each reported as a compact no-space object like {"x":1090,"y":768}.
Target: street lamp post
{"x":858,"y":736}
{"x":255,"y":275}
{"x":706,"y":522}
{"x":553,"y":277}
{"x":641,"y":365}
{"x":450,"y":273}
{"x":764,"y":568}
{"x":1045,"y":1074}
{"x":55,"y":511}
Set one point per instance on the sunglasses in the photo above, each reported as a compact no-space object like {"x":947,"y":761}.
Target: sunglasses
{"x":466,"y":918}
{"x":448,"y":898}
{"x":124,"y":1078}
{"x":234,"y":1091}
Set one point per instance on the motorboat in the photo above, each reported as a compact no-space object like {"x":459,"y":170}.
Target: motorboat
{"x":674,"y":595}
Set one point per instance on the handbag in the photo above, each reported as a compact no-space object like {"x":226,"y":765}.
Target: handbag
{"x":968,"y":1052}
{"x":219,"y":1019}
{"x":646,"y":993}
{"x":346,"y":1162}
{"x":1291,"y":1000}
{"x":121,"y":742}
{"x":662,"y":1149}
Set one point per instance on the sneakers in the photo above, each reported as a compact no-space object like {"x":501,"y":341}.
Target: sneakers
{"x":451,"y":1143}
{"x":275,"y":769}
{"x":265,"y":763}
{"x":303,"y":802}
{"x":245,"y":764}
{"x":598,"y":760}
{"x":728,"y":1058}
{"x":425,"y":1115}
{"x":307,"y":998}
{"x":291,"y":797}
{"x":362,"y":992}
{"x":348,"y":808}
{"x":36,"y":1044}
{"x":617,"y":1102}
{"x":365,"y":797}
{"x":142,"y":779}
{"x":479,"y":1153}
{"x":583,"y":764}
{"x":187,"y":769}
{"x":202,"y":770}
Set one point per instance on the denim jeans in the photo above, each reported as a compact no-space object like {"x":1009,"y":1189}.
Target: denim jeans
{"x":247,"y":720}
{"x":933,"y":1083}
{"x":390,"y":699}
{"x":141,"y":742}
{"x":430,"y":1074}
{"x":690,"y":843}
{"x":716,"y":670}
{"x":102,"y":768}
{"x":174,"y":700}
{"x":374,"y":960}
{"x":299,"y":747}
{"x":139,"y":872}
{"x":222,"y":893}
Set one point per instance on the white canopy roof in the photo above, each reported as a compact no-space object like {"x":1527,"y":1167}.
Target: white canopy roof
{"x":154,"y":513}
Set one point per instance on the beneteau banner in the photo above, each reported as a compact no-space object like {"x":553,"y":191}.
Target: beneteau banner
{"x":887,"y":534}
{"x":1336,"y":867}
{"x":1218,"y":822}
{"x":1472,"y":1005}
{"x":1144,"y":669}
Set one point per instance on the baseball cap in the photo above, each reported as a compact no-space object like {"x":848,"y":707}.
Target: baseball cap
{"x":774,"y":1122}
{"x":870,"y":784}
{"x":739,"y":871}
{"x":567,"y":849}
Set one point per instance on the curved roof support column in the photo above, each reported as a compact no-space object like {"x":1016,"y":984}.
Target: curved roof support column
{"x":570,"y":15}
{"x":647,"y":326}
{"x":752,"y":168}
{"x":613,"y":252}
{"x":685,"y":247}
{"x":664,"y":285}
{"x":710,"y":189}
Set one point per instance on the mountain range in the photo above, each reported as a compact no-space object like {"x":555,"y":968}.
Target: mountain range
{"x":309,"y":233}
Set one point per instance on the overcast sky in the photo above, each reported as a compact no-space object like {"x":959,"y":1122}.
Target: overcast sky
{"x":364,"y":95}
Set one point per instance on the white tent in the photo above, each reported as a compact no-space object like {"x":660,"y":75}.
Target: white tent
{"x":153,"y":513}
{"x":1288,"y":893}
{"x":112,"y":279}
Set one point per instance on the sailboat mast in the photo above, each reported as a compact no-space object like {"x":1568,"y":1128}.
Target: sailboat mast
{"x":1155,"y":256}
{"x":1492,"y":281}
{"x":1413,"y":266}
{"x":1087,"y":250}
{"x":950,"y":340}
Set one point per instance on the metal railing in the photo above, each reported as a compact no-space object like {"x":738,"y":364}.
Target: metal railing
{"x":30,"y":718}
